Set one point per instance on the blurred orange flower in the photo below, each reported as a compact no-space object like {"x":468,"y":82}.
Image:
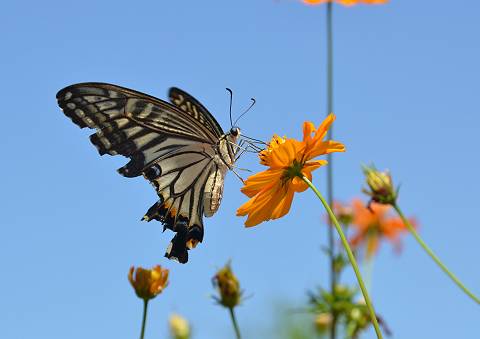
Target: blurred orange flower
{"x":346,"y":2}
{"x":373,"y":224}
{"x":272,"y":190}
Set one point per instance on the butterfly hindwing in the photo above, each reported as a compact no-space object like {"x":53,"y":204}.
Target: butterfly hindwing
{"x":172,"y":146}
{"x":183,"y":191}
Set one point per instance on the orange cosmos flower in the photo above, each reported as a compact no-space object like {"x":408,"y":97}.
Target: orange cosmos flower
{"x":373,"y":224}
{"x":346,"y":2}
{"x":148,"y":283}
{"x":272,"y":190}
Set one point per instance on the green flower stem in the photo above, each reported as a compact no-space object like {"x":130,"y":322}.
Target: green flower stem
{"x":144,"y":320}
{"x":234,"y":322}
{"x":433,"y":256}
{"x":351,"y":257}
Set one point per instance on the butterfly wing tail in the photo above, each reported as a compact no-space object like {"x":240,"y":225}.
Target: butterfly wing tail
{"x":177,"y":249}
{"x":187,"y":233}
{"x":184,"y":240}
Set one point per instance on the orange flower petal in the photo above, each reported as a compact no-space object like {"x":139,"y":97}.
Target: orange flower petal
{"x":316,"y":2}
{"x":313,"y":165}
{"x":346,"y":2}
{"x":323,"y":147}
{"x":284,"y":154}
{"x":324,"y":126}
{"x":258,"y":181}
{"x":284,"y":205}
{"x":372,"y":245}
{"x":266,"y":154}
{"x":308,"y":129}
{"x":315,"y":146}
{"x":250,"y":204}
{"x":245,"y":208}
{"x":373,"y":225}
{"x":258,"y":200}
{"x":264,"y":205}
{"x":298,"y":185}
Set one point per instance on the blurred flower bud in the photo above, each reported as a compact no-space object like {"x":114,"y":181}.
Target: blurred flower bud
{"x":344,"y":213}
{"x":179,"y":327}
{"x":341,"y":290}
{"x":323,"y":322}
{"x":228,"y":287}
{"x":355,"y":314}
{"x":339,"y":262}
{"x":380,"y":185}
{"x":148,"y":283}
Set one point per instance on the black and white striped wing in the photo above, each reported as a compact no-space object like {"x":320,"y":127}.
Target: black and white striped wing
{"x":131,"y":123}
{"x":194,"y":108}
{"x":184,"y":180}
{"x":171,"y":147}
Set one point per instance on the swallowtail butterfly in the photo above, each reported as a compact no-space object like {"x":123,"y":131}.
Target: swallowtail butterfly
{"x":179,"y":147}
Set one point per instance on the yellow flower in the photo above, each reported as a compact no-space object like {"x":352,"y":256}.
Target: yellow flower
{"x":272,"y":190}
{"x":179,"y":327}
{"x":346,"y":2}
{"x":228,"y":287}
{"x":381,"y":186}
{"x":148,"y":283}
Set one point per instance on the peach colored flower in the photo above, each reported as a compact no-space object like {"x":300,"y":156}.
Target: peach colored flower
{"x":373,"y":224}
{"x":346,"y":2}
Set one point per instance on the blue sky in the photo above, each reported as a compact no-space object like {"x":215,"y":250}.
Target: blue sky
{"x":406,"y":97}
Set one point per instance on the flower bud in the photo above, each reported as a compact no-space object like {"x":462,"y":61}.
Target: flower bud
{"x":148,"y":283}
{"x":381,"y":186}
{"x":323,"y":322}
{"x":228,"y":287}
{"x":344,"y":213}
{"x":179,"y":327}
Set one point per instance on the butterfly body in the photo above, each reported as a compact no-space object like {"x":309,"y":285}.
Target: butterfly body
{"x":179,"y":148}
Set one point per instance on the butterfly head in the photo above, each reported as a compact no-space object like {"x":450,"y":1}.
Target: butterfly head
{"x":234,"y":132}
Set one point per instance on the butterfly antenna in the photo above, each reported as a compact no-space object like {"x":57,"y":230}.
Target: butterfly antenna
{"x":231,"y":100}
{"x":249,"y":107}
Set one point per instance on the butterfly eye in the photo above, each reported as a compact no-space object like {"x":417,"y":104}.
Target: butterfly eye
{"x":235,"y":131}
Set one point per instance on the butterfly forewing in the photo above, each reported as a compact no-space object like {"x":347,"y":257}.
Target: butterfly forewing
{"x":195,"y":109}
{"x":178,"y":148}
